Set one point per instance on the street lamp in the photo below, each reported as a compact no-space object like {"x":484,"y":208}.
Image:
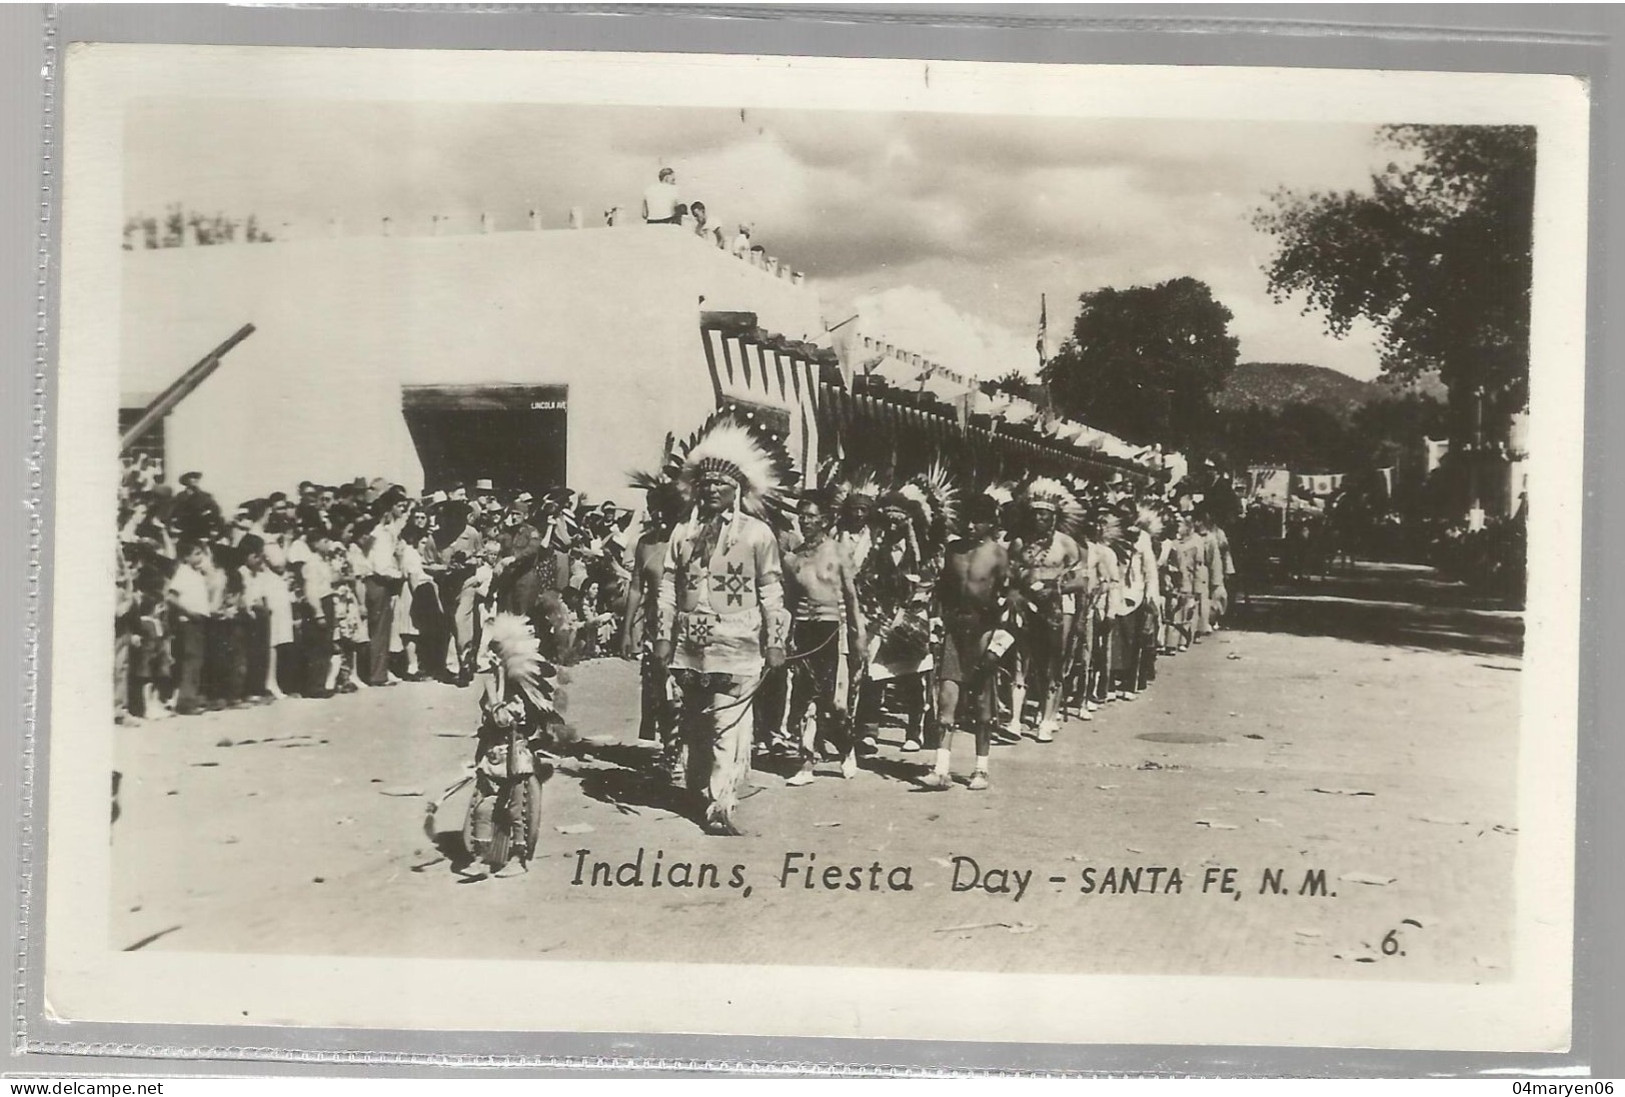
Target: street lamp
{"x":1475,"y":510}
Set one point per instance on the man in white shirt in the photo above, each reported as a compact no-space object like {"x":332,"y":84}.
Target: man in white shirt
{"x":190,"y":608}
{"x":383,"y":584}
{"x":660,"y":200}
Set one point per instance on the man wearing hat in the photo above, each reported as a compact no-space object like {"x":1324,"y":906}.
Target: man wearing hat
{"x":194,"y":514}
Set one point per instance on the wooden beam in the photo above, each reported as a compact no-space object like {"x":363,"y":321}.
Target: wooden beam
{"x":182,"y":387}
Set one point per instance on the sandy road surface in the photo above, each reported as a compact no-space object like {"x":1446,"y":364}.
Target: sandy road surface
{"x":1366,"y":728}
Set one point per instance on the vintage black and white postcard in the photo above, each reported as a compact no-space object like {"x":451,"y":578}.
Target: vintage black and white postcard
{"x":816,"y":547}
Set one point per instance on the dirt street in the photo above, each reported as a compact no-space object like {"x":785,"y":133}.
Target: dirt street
{"x":1362,"y":727}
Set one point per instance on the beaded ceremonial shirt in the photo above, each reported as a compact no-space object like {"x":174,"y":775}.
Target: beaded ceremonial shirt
{"x":720,"y":614}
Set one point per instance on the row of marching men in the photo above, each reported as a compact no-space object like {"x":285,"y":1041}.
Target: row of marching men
{"x":787,"y":625}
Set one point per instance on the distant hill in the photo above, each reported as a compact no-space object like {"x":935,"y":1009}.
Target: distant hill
{"x":1273,"y":384}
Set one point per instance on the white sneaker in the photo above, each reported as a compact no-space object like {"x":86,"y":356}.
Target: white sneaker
{"x":1046,"y":732}
{"x":804,"y":777}
{"x":978,"y":781}
{"x":849,"y":766}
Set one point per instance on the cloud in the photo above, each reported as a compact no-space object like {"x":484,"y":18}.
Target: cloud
{"x":922,"y":321}
{"x":977,"y":215}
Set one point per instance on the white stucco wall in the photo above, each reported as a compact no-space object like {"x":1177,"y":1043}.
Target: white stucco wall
{"x":343,"y":323}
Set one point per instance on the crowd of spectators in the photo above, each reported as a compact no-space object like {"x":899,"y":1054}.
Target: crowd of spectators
{"x":338,"y":588}
{"x":1491,"y":557}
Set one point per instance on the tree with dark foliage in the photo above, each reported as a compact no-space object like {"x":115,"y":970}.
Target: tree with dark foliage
{"x":1145,"y":363}
{"x":1015,"y":383}
{"x":1437,"y":256}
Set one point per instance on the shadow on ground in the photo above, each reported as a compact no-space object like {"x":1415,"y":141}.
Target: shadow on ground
{"x":1396,"y":605}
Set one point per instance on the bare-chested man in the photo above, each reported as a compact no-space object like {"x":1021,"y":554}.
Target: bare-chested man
{"x":1048,"y":565}
{"x":975,"y":571}
{"x":658,"y":720}
{"x":827,"y":637}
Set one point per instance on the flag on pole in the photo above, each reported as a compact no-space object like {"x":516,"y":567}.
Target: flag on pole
{"x":1269,"y":485}
{"x":1043,"y":329}
{"x":849,"y":352}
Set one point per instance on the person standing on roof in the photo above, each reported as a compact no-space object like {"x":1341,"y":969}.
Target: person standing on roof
{"x":660,"y":200}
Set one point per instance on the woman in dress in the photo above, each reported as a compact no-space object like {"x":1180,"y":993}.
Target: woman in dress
{"x":273,"y":590}
{"x":418,"y":602}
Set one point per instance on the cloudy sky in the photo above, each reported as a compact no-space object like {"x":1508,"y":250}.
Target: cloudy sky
{"x":943,"y":230}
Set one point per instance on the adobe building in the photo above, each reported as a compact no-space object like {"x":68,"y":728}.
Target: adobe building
{"x":535,"y":358}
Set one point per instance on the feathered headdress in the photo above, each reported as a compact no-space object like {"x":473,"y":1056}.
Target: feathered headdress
{"x":749,"y":456}
{"x":1111,"y":532}
{"x":843,"y":483}
{"x":1047,"y":492}
{"x":663,"y":488}
{"x":936,"y":499}
{"x":911,"y":497}
{"x":1149,"y":519}
{"x":671,"y":467}
{"x":514,"y":655}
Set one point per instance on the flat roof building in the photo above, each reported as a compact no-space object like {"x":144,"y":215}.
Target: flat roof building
{"x":536,"y":358}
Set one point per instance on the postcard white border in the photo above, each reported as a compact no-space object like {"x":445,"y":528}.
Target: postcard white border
{"x":87,"y":981}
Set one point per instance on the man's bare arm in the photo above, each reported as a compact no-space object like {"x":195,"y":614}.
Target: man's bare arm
{"x":854,"y":613}
{"x":633,"y":609}
{"x":1074,"y":578}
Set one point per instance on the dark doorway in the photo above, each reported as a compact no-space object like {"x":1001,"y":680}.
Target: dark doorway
{"x":150,"y":444}
{"x":514,"y":435}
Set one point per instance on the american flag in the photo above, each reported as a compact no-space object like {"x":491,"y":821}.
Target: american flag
{"x":1043,"y":328}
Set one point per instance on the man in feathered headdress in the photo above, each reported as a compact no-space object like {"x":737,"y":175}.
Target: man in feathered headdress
{"x":520,"y":703}
{"x":896,"y":588}
{"x":856,"y":502}
{"x":1047,"y":563}
{"x":721,"y":605}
